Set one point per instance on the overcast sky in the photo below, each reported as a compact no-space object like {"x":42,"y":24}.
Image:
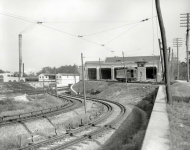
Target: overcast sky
{"x":42,"y":46}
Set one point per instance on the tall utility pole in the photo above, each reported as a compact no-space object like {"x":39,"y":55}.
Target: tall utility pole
{"x":163,"y":35}
{"x":162,"y":59}
{"x":186,"y":24}
{"x":100,"y":70}
{"x":172,"y":65}
{"x":177,"y":42}
{"x":84,"y":92}
{"x":125,"y":71}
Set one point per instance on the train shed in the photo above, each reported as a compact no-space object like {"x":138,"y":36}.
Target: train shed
{"x":148,"y":68}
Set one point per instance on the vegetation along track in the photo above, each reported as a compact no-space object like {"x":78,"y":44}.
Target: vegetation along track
{"x":61,"y":141}
{"x":70,"y":105}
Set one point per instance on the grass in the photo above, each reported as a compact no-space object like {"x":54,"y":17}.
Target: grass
{"x":179,"y":117}
{"x":9,"y":106}
{"x":130,"y":134}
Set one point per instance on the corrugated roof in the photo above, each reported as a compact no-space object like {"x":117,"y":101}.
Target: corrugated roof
{"x":94,"y":62}
{"x":133,"y":59}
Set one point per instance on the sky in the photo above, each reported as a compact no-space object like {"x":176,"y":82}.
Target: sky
{"x":107,"y":27}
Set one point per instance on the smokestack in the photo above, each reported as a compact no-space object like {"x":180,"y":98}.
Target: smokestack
{"x":20,"y":56}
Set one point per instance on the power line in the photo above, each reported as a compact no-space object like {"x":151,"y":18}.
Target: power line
{"x":122,"y":33}
{"x":110,"y":29}
{"x":89,"y":21}
{"x":129,"y":29}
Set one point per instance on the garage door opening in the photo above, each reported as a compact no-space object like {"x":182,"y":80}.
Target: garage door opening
{"x":105,"y":73}
{"x":151,"y":72}
{"x":92,"y":73}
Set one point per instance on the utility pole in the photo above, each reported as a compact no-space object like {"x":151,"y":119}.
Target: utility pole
{"x":172,"y":64}
{"x":169,"y":63}
{"x":163,"y":35}
{"x":56,"y":84}
{"x":125,"y":71}
{"x":186,"y":24}
{"x":43,"y":86}
{"x":177,"y":43}
{"x":84,"y":92}
{"x":100,"y":71}
{"x":162,"y":60}
{"x":75,"y":73}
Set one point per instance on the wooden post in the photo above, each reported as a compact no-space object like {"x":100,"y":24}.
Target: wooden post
{"x":75,"y":73}
{"x":100,"y":70}
{"x":84,"y":92}
{"x":125,"y":71}
{"x":187,"y":47}
{"x":162,"y":60}
{"x":163,"y":35}
{"x":186,"y":16}
{"x":172,"y":65}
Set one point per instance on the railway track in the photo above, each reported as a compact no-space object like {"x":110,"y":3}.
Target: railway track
{"x":12,"y":119}
{"x":88,"y":131}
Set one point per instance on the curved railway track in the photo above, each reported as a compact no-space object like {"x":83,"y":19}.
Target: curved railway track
{"x":60,"y":142}
{"x":11,"y":119}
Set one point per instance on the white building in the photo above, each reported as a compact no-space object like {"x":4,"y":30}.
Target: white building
{"x":46,"y":77}
{"x":9,"y":77}
{"x":66,"y":79}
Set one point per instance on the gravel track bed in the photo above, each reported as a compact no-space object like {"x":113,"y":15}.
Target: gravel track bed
{"x":42,"y":127}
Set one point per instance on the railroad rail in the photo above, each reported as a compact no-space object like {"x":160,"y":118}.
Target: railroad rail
{"x":61,"y":138}
{"x":23,"y":117}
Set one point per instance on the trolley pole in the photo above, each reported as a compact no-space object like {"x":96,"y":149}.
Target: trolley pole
{"x":187,"y":25}
{"x":84,"y":92}
{"x":125,"y":71}
{"x":163,"y":35}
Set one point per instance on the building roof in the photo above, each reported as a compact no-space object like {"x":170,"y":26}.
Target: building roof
{"x":141,"y":61}
{"x":94,"y":62}
{"x":68,"y":74}
{"x":47,"y":74}
{"x":134,"y":58}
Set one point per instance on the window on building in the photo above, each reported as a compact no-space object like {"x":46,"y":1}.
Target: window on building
{"x":8,"y":75}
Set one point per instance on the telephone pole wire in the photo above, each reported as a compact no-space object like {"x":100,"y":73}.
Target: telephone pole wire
{"x":177,"y":42}
{"x":163,"y":36}
{"x":186,"y":24}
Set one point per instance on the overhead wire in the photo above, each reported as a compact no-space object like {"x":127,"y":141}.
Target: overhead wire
{"x":77,"y":36}
{"x":109,"y":29}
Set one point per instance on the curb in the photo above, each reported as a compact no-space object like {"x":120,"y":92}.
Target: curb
{"x":156,"y":133}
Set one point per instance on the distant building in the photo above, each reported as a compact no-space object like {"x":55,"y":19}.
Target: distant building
{"x":9,"y":77}
{"x":67,"y":79}
{"x":148,"y":68}
{"x":46,"y":77}
{"x":64,"y":79}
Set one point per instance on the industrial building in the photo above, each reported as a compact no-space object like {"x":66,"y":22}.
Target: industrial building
{"x":148,"y":68}
{"x":9,"y":77}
